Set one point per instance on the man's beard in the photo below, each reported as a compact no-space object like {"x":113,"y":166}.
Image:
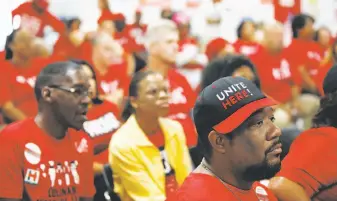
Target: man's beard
{"x":261,"y":171}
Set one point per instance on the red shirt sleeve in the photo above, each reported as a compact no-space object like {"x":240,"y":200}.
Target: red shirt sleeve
{"x":312,"y":161}
{"x":11,"y":185}
{"x":54,"y":22}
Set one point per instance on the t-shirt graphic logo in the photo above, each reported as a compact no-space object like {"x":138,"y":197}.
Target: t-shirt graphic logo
{"x":82,"y":146}
{"x":177,"y":96}
{"x":261,"y":194}
{"x":32,"y":153}
{"x":32,"y":176}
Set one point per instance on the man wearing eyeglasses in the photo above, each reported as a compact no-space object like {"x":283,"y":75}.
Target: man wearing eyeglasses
{"x":47,"y":157}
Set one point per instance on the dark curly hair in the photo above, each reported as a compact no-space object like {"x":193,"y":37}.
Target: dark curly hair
{"x":326,"y":115}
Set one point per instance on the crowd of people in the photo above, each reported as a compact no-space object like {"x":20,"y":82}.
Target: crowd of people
{"x":151,"y":112}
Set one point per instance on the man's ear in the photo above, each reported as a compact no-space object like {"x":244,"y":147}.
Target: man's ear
{"x":217,"y":141}
{"x":46,"y":94}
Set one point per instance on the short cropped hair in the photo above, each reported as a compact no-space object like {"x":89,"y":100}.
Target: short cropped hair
{"x":298,"y":23}
{"x":156,"y":30}
{"x":48,"y":74}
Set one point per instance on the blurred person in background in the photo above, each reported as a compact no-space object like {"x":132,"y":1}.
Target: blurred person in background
{"x":278,"y":79}
{"x":166,"y":13}
{"x":137,"y":29}
{"x":230,"y":65}
{"x":327,"y":63}
{"x":148,"y":154}
{"x":106,"y":56}
{"x":241,"y":144}
{"x":323,"y":38}
{"x":162,"y":45}
{"x":47,"y":156}
{"x":34,"y":17}
{"x":103,"y":119}
{"x":18,"y":77}
{"x":190,"y":60}
{"x":305,"y":55}
{"x":68,"y":45}
{"x":39,"y":49}
{"x":311,"y":174}
{"x":246,"y":43}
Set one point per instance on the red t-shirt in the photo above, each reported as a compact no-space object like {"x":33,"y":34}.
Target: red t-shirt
{"x":307,"y":53}
{"x":275,"y":74}
{"x":246,"y":47}
{"x":65,"y":48}
{"x":35,"y":22}
{"x":185,"y":42}
{"x":171,"y":183}
{"x":182,"y":99}
{"x":203,"y":187}
{"x":102,"y":123}
{"x":312,"y":163}
{"x":17,"y":86}
{"x":34,"y":164}
{"x":127,"y":42}
{"x":137,"y":33}
{"x":283,"y":9}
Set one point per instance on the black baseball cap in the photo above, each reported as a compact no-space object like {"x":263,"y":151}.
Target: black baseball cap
{"x":330,"y":80}
{"x":227,"y":103}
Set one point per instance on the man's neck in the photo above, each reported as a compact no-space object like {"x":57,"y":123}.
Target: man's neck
{"x":227,"y":174}
{"x":51,"y":126}
{"x":157,"y":65}
{"x":149,"y":125}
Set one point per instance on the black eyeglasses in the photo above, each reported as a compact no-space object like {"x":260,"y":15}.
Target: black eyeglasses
{"x":78,"y":91}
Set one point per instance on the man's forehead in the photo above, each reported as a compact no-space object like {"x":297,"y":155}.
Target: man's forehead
{"x":73,"y":76}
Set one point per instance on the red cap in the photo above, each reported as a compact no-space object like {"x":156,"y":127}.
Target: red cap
{"x":106,"y":16}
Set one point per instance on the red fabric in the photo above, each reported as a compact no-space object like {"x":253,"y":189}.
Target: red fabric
{"x":65,"y":48}
{"x":245,"y":47}
{"x":35,"y":21}
{"x":214,"y":47}
{"x":312,"y":163}
{"x":281,"y":13}
{"x":43,"y":167}
{"x":137,"y":32}
{"x":2,"y":56}
{"x":127,"y":42}
{"x":189,"y":41}
{"x":202,"y":187}
{"x":307,"y":53}
{"x":102,"y":126}
{"x":19,"y":84}
{"x":181,"y":102}
{"x":275,"y":74}
{"x":105,"y":16}
{"x":171,"y":184}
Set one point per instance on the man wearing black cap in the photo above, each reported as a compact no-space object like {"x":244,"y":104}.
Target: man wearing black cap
{"x":309,"y":171}
{"x":234,"y":120}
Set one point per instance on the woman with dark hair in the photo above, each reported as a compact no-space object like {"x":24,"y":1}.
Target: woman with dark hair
{"x":309,"y":171}
{"x":246,"y":43}
{"x":148,"y":154}
{"x":229,"y":65}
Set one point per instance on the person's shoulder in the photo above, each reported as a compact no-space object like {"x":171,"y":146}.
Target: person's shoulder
{"x":22,"y":8}
{"x":208,"y":188}
{"x":320,"y":135}
{"x":18,"y":129}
